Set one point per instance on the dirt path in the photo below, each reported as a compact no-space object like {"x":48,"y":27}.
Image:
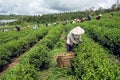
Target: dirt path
{"x":15,"y":61}
{"x":11,"y":65}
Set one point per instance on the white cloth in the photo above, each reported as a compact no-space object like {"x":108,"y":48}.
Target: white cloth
{"x":74,"y":36}
{"x":100,"y":15}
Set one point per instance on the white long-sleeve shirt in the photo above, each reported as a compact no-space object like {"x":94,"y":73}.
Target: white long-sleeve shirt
{"x":71,"y":39}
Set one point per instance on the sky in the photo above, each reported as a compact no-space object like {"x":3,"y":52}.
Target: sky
{"x":38,"y":7}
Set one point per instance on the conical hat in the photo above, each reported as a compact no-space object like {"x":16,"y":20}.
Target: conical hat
{"x":78,"y":30}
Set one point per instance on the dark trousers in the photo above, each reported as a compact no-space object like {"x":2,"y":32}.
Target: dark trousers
{"x":68,"y":47}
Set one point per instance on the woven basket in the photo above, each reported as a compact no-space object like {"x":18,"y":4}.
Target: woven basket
{"x":64,"y":61}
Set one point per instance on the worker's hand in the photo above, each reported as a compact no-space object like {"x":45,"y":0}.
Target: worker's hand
{"x":75,"y":45}
{"x":81,"y":42}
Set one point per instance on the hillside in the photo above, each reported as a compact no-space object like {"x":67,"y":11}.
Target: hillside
{"x":97,"y":57}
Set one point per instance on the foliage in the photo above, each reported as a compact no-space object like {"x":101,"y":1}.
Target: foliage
{"x":93,"y":62}
{"x":17,"y":47}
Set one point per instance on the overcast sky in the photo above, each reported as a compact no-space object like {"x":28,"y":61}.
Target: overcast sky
{"x":33,"y":7}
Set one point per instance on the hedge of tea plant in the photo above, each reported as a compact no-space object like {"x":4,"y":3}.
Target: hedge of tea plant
{"x":13,"y":35}
{"x":109,"y":38}
{"x":15,"y":48}
{"x":36,"y":59}
{"x":106,"y":22}
{"x":93,"y":62}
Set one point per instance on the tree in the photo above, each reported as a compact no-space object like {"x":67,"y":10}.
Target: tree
{"x":114,"y":6}
{"x":101,"y":10}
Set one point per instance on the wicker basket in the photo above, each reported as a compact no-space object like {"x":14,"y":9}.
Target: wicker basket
{"x":65,"y":60}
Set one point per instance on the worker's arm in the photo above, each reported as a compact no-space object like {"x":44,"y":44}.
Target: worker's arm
{"x":80,"y":39}
{"x":73,"y":40}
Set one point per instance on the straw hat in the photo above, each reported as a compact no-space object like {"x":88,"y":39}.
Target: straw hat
{"x":78,"y":30}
